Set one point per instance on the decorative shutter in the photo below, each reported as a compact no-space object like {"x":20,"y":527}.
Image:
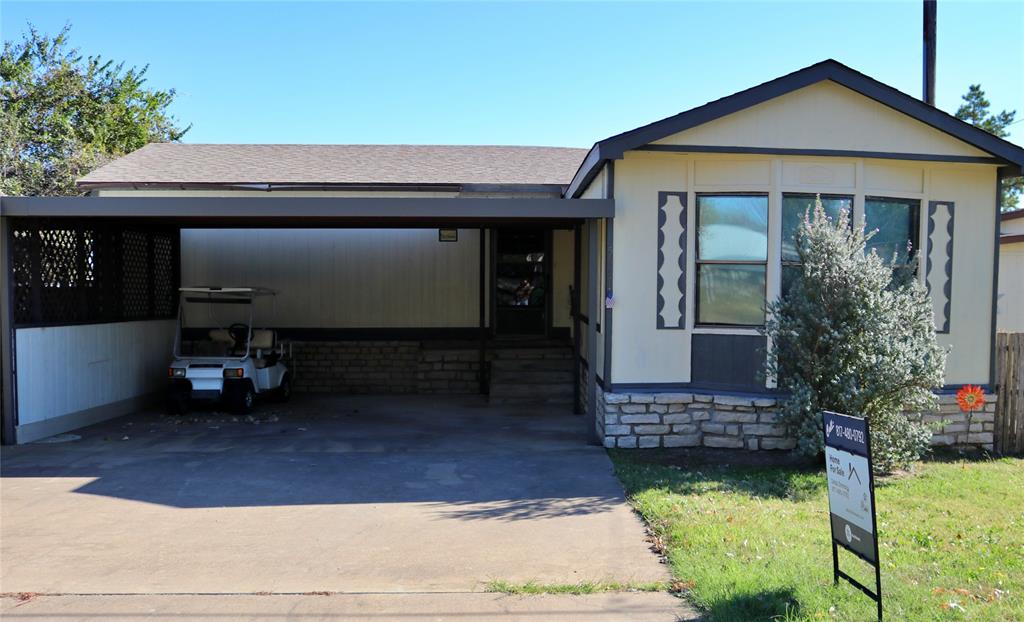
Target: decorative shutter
{"x":939,"y":261}
{"x":671,"y":260}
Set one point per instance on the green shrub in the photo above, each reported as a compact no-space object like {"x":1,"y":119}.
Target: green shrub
{"x":855,"y":334}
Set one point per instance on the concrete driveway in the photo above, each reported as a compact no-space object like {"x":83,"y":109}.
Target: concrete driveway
{"x":336,"y":495}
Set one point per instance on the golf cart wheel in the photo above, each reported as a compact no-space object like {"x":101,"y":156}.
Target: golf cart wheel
{"x":242,"y":397}
{"x":284,"y":392}
{"x":176,"y":403}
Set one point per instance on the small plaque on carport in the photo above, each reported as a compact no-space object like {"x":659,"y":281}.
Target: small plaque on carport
{"x":447,"y":235}
{"x":851,"y":496}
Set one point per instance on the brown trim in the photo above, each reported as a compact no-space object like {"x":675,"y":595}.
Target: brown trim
{"x":1011,"y":239}
{"x":831,"y":153}
{"x":308,"y":211}
{"x":1012,"y":215}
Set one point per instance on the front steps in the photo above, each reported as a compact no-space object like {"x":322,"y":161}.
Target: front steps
{"x":539,"y":375}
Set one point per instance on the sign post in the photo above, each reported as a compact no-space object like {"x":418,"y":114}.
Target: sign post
{"x":851,"y":497}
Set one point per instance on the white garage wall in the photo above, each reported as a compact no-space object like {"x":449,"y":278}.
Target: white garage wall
{"x":70,"y":376}
{"x":343,"y":278}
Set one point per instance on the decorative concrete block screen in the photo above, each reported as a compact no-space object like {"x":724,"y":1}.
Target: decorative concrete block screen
{"x":69,"y":273}
{"x":645,"y":420}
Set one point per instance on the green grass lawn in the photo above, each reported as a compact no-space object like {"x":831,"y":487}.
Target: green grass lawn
{"x":752,"y":543}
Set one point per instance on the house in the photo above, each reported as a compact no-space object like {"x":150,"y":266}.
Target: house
{"x":412,"y":269}
{"x":1010,"y":314}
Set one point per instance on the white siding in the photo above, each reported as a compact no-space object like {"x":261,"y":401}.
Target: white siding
{"x":343,"y":278}
{"x":66,"y":369}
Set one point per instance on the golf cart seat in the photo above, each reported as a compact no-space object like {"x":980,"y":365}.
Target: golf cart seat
{"x":264,"y":339}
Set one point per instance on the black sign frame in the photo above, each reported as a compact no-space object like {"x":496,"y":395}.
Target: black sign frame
{"x":863,"y":449}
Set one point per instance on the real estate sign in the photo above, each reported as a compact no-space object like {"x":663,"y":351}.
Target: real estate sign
{"x":851,"y":495}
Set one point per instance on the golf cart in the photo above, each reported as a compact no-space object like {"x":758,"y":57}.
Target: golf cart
{"x":232,"y":362}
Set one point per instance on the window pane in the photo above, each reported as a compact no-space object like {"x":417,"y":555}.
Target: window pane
{"x":793,"y":209}
{"x":733,"y":227}
{"x":790,"y":274}
{"x":730,"y":294}
{"x":895,"y":220}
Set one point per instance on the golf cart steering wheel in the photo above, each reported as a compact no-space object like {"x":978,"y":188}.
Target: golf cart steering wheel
{"x":239,"y":333}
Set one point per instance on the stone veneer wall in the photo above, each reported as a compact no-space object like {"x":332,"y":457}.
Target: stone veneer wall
{"x":641,"y":420}
{"x":386,"y":367}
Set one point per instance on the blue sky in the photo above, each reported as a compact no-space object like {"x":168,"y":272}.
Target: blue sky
{"x":536,"y":73}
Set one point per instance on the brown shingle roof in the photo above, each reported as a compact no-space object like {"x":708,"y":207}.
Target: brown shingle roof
{"x":178,"y":163}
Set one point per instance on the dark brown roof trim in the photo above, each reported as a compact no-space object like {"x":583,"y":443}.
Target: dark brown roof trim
{"x":1011,"y":239}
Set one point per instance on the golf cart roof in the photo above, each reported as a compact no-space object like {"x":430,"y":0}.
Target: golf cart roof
{"x":228,"y":291}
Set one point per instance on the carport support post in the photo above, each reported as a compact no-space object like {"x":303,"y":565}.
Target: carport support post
{"x":483,"y":314}
{"x":577,"y":245}
{"x":592,"y":296}
{"x":7,"y":402}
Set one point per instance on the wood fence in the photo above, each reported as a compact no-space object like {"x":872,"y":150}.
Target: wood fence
{"x":1009,"y":432}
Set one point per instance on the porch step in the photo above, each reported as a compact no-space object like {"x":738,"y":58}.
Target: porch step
{"x":531,"y":354}
{"x":532,"y":376}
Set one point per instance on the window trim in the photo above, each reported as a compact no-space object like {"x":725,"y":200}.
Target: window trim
{"x":697,"y":261}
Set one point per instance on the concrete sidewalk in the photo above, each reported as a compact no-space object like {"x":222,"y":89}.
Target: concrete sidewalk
{"x":636,"y":607}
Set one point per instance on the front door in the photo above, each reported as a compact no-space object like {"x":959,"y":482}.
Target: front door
{"x":522,"y":277}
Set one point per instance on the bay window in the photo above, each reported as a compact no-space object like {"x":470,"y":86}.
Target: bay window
{"x":732,"y":257}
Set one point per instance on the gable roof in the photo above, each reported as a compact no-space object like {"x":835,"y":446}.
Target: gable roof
{"x":613,"y":148}
{"x":263,"y":166}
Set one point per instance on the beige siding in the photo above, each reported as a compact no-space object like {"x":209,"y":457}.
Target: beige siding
{"x":66,"y":369}
{"x":1010,"y":314}
{"x":823,"y":116}
{"x":564,"y":249}
{"x":344,"y":278}
{"x":645,"y":354}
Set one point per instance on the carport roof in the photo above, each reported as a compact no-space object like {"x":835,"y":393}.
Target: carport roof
{"x":178,"y":164}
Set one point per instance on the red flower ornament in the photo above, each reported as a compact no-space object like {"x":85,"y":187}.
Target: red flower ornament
{"x":970,"y":398}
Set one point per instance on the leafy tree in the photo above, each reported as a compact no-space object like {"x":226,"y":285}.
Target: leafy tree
{"x":63,"y":115}
{"x":975,"y":110}
{"x":854,"y":335}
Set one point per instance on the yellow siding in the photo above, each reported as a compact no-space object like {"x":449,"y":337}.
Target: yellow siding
{"x":644,"y":354}
{"x":823,"y":116}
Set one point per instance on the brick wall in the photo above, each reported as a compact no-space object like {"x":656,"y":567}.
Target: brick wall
{"x":385,"y":367}
{"x":640,"y":420}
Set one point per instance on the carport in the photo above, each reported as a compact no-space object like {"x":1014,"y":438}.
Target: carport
{"x":106,"y":269}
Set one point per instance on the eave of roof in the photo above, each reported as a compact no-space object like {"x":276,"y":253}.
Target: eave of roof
{"x":614,"y":147}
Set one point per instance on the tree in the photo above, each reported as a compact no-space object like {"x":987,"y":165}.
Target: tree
{"x":854,"y":335}
{"x":64,"y":115}
{"x":975,"y":110}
